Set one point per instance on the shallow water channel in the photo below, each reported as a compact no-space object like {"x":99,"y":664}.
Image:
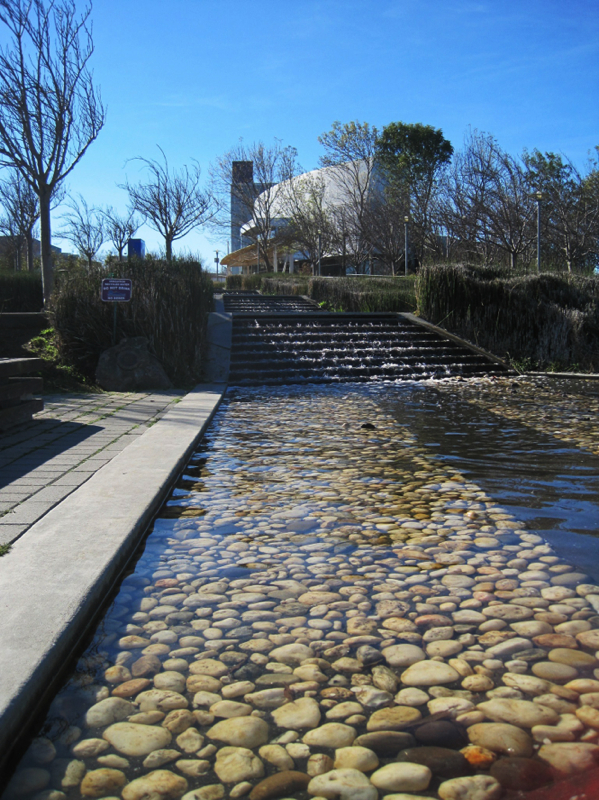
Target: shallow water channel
{"x":354,"y":592}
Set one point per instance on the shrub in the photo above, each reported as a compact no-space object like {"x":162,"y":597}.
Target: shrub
{"x":545,"y":319}
{"x":356,"y":293}
{"x":20,"y":292}
{"x":170,"y":305}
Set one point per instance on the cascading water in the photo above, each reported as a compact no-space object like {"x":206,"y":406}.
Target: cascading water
{"x":324,"y":348}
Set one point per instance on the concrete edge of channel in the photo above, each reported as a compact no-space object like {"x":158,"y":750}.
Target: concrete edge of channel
{"x":458,"y":340}
{"x":56,"y":577}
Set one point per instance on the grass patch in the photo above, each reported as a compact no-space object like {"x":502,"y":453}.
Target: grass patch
{"x":58,"y":376}
{"x":4,"y":549}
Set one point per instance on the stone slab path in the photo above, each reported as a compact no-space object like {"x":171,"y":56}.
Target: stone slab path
{"x":43,"y":461}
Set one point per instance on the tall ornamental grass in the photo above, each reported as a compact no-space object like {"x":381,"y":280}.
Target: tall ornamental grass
{"x":355,"y":293}
{"x":169,"y":306}
{"x":20,"y":292}
{"x":547,"y":320}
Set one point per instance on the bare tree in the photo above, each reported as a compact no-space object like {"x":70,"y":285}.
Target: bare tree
{"x":350,"y":150}
{"x":489,"y":207}
{"x":311,"y":225}
{"x":119,"y":228}
{"x":50,"y":110}
{"x":173,"y":203}
{"x":21,"y":207}
{"x":570,"y":205}
{"x":244,"y":183}
{"x":21,"y":213}
{"x":84,"y":229}
{"x":384,"y":227}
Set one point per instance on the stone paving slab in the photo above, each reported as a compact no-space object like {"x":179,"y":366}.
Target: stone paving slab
{"x":44,"y":460}
{"x":60,"y":570}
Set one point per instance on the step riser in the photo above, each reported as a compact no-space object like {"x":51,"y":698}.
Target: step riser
{"x":269,"y":348}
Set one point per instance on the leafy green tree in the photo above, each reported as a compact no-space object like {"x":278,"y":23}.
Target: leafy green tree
{"x":412,"y":157}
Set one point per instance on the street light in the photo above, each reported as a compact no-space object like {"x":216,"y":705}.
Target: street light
{"x":216,"y":261}
{"x":539,"y":197}
{"x":406,"y":219}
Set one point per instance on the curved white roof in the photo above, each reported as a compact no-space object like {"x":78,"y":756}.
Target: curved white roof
{"x":335,"y":184}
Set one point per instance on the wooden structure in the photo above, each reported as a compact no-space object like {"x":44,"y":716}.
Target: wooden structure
{"x":17,"y":403}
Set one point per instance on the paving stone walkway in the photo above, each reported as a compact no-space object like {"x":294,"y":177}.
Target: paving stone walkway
{"x":43,"y":461}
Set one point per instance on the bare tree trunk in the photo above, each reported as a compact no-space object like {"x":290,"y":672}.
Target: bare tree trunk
{"x":29,"y":251}
{"x":46,"y":246}
{"x":513,"y":260}
{"x":169,"y":249}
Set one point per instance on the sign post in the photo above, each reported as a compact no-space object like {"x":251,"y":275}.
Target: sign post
{"x":116,"y":290}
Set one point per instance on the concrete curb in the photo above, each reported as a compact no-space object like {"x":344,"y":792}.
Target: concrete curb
{"x":591,"y":376}
{"x":55,"y":579}
{"x":447,"y":335}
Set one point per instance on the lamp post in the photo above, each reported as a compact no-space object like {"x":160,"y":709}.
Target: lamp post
{"x":319,"y":250}
{"x":406,"y":219}
{"x":539,"y":197}
{"x":216,"y":261}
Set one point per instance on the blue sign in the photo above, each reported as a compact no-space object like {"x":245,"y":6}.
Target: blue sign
{"x":116,"y":290}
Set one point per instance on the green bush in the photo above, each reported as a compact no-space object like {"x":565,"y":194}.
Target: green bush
{"x":20,"y":292}
{"x":547,"y":319}
{"x":170,"y":305}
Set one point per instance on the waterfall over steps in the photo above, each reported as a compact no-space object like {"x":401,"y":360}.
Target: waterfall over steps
{"x":288,"y":340}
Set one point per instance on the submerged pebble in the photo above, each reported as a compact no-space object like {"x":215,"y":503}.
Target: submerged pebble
{"x":326,"y":609}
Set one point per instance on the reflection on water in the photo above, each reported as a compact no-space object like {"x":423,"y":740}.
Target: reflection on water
{"x":345,"y":578}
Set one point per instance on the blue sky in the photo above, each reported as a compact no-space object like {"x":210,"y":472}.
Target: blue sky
{"x":195,"y":75}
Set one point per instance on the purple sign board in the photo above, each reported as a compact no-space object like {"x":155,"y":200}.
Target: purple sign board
{"x":116,"y":290}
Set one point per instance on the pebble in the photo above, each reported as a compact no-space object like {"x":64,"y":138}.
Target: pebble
{"x":567,"y":758}
{"x":394,"y":718}
{"x":386,"y":744}
{"x":136,"y":740}
{"x":500,"y":737}
{"x":240,"y":732}
{"x":403,"y":655}
{"x":369,"y":603}
{"x":402,"y":777}
{"x":302,"y":713}
{"x":113,"y":709}
{"x":234,"y":764}
{"x":521,"y":774}
{"x":161,"y":784}
{"x":356,"y":757}
{"x":475,"y":787}
{"x":518,"y":712}
{"x":429,"y":673}
{"x":283,"y":784}
{"x":343,"y":784}
{"x":331,"y":734}
{"x":102,"y":782}
{"x":29,"y":779}
{"x":440,"y":760}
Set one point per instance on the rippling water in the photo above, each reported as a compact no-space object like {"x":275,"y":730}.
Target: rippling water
{"x":403,"y":495}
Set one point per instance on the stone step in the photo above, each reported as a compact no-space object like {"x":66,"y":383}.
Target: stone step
{"x":324,"y":347}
